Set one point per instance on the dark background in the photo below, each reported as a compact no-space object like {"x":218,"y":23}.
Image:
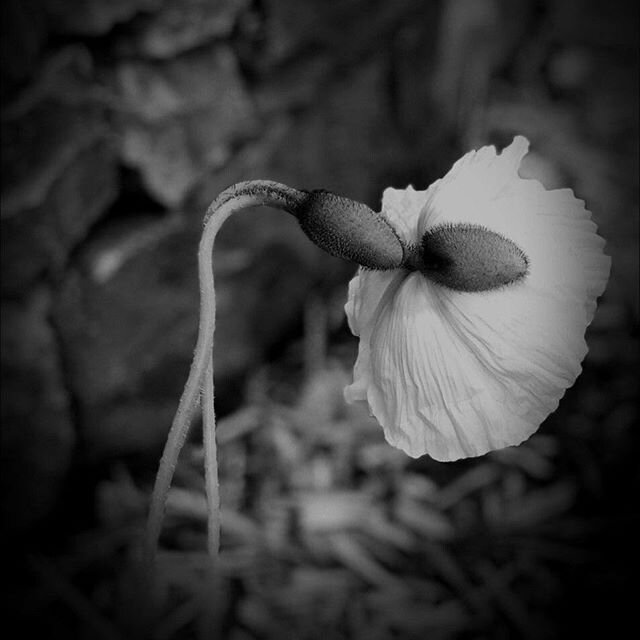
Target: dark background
{"x":120,"y":122}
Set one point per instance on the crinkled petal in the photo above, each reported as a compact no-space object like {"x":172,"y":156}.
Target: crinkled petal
{"x":366,"y":290}
{"x":553,"y":228}
{"x":456,"y":374}
{"x":401,"y":206}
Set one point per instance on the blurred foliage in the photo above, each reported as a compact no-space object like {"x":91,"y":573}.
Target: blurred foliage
{"x":328,"y":532}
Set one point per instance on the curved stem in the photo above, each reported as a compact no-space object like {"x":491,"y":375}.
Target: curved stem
{"x":235,"y":198}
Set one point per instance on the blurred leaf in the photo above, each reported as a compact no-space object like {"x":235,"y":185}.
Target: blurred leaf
{"x":527,"y":459}
{"x":238,"y":424}
{"x":329,"y":511}
{"x":424,"y":520}
{"x":496,"y":582}
{"x":119,"y":501}
{"x":448,"y":567}
{"x":472,"y":480}
{"x":192,"y":505}
{"x":411,"y":615}
{"x":353,"y":555}
{"x":381,"y":528}
{"x":540,"y":505}
{"x":417,"y":487}
{"x":322,"y":399}
{"x":73,"y":598}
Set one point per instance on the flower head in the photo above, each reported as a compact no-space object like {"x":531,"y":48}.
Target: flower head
{"x":471,"y":345}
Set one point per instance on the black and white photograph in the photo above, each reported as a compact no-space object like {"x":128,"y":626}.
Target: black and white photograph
{"x":320,"y":319}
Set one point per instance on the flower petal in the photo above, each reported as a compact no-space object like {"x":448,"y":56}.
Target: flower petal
{"x":401,"y":207}
{"x":553,"y":228}
{"x":366,"y":290}
{"x":457,"y":374}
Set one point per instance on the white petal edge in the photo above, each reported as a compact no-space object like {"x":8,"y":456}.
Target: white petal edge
{"x":366,"y":290}
{"x":490,"y":367}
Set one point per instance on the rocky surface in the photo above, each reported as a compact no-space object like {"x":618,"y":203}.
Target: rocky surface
{"x":180,"y":119}
{"x":122,"y":120}
{"x":92,"y":17}
{"x":59,"y":173}
{"x":179,"y":26}
{"x":38,"y":430}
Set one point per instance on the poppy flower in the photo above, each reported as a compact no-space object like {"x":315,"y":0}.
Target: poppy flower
{"x":456,"y":364}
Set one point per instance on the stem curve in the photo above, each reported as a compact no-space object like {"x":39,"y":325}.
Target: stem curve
{"x":200,"y":381}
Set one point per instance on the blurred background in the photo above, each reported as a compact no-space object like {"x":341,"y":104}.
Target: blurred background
{"x":120,"y":122}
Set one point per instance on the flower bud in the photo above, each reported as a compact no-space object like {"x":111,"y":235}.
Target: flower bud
{"x":466,"y":257}
{"x":350,"y":230}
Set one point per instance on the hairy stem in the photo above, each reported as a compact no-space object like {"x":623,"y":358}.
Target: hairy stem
{"x":235,"y":198}
{"x":211,"y":464}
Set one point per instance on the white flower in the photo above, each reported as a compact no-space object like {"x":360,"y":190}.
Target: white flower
{"x":458,"y":373}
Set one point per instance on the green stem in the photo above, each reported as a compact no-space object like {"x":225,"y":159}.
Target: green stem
{"x":235,"y":198}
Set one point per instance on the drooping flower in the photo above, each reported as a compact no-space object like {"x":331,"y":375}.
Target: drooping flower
{"x":456,"y":360}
